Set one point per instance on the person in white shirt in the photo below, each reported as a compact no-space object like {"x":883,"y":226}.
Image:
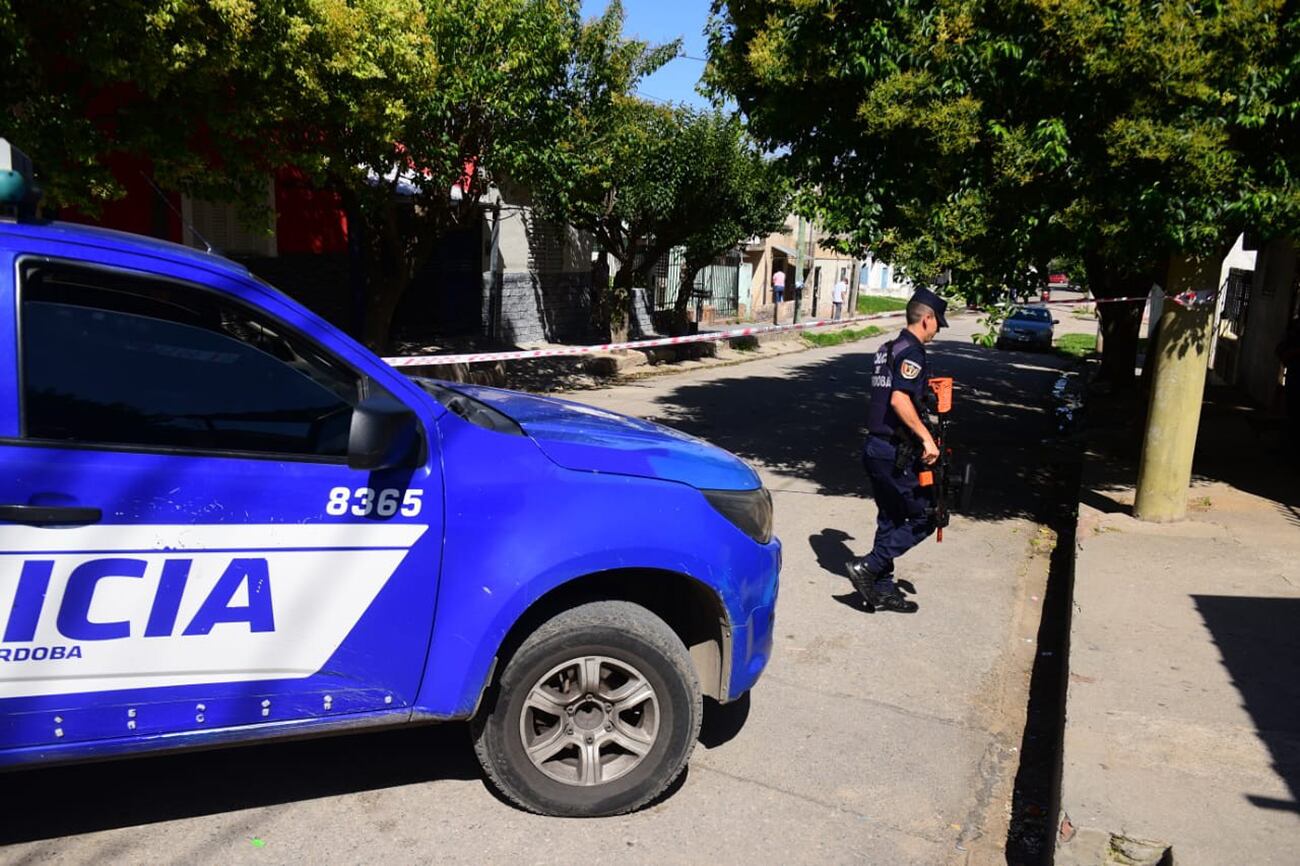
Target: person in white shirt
{"x":838,"y":292}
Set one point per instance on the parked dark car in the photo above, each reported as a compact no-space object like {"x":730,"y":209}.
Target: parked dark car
{"x":1027,"y":328}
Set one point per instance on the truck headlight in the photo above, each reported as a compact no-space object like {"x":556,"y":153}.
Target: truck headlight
{"x":750,"y":510}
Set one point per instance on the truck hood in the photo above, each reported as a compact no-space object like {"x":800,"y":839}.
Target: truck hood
{"x":588,"y":439}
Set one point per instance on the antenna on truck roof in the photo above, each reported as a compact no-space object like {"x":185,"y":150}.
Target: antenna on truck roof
{"x":189,"y":226}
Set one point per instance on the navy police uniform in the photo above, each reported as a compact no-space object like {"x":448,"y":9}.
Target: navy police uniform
{"x":902,"y":519}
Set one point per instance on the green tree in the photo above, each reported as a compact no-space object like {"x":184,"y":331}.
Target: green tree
{"x":598,"y":180}
{"x":726,"y":190}
{"x":389,"y":102}
{"x":989,"y":138}
{"x":654,"y":177}
{"x":464,"y":92}
{"x":178,"y":83}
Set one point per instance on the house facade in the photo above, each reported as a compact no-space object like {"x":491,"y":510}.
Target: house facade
{"x":1256,"y":304}
{"x":505,"y":275}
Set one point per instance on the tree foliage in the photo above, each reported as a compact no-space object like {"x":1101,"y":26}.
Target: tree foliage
{"x":728,"y":191}
{"x":388,"y":102}
{"x":649,"y":177}
{"x":654,"y":177}
{"x":991,"y":137}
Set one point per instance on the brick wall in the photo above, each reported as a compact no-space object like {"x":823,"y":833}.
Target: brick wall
{"x":545,"y":298}
{"x":542,"y":307}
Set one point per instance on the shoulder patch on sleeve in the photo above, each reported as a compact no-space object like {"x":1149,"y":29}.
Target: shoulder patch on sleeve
{"x":909,"y":369}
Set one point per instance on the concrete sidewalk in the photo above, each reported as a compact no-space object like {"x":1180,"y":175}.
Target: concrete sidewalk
{"x":1182,"y":736}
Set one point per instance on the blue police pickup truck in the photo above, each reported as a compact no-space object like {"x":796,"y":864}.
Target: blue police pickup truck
{"x":223,"y":521}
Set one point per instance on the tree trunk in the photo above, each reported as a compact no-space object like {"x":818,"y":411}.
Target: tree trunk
{"x":1121,"y":321}
{"x":681,"y":308}
{"x":1120,"y":324}
{"x":357,"y":275}
{"x":1182,"y":348}
{"x":387,"y":275}
{"x":618,"y":301}
{"x":382,"y":300}
{"x":399,"y":244}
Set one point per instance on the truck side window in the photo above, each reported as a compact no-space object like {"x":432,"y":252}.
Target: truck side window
{"x":112,"y":359}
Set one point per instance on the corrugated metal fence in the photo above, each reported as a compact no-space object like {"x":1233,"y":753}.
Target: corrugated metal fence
{"x":716,"y":286}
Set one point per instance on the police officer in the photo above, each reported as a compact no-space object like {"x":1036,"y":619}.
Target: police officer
{"x":898,"y":384}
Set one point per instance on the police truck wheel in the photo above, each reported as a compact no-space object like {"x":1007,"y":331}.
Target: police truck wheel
{"x":595,"y":714}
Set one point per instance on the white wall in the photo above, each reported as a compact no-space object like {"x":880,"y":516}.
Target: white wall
{"x":882,"y":278}
{"x":1272,"y":302}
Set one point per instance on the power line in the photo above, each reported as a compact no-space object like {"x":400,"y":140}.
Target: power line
{"x":645,"y":95}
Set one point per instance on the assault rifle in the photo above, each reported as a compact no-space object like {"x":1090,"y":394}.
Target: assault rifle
{"x":942,"y":480}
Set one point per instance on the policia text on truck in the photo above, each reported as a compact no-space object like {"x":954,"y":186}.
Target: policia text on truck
{"x":223,"y":520}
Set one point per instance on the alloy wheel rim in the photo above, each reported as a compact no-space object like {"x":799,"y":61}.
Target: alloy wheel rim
{"x":589,"y":721}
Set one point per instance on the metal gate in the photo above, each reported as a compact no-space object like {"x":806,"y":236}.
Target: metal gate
{"x":1237,"y":299}
{"x":717,"y":285}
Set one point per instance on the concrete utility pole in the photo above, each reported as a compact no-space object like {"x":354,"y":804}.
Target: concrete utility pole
{"x":798,"y":269}
{"x":1180,"y":354}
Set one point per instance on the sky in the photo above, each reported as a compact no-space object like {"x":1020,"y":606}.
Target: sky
{"x":660,"y":21}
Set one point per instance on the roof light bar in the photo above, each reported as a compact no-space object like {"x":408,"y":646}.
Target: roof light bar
{"x":17,"y":185}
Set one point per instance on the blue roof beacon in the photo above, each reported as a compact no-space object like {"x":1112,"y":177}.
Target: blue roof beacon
{"x":222,"y":520}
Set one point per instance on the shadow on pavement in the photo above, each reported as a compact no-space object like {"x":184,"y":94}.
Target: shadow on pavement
{"x":723,"y":722}
{"x":1238,"y":443}
{"x":832,"y":551}
{"x":64,"y":801}
{"x":1259,"y":641}
{"x":85,"y":798}
{"x":1002,"y":421}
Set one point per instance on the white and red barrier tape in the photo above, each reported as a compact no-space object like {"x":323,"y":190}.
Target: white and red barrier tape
{"x":569,"y":351}
{"x":1186,"y":299}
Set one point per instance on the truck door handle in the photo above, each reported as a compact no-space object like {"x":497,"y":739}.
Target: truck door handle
{"x":42,"y":515}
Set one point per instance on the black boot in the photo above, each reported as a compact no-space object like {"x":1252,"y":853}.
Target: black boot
{"x":887,"y":596}
{"x":879,"y":592}
{"x":862,"y":578}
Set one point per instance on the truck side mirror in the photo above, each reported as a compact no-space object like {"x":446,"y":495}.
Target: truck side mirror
{"x":384,"y":434}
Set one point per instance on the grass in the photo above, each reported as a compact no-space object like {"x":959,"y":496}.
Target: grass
{"x":835,"y":338}
{"x":1044,"y":542}
{"x":1076,"y":345}
{"x":868,"y":304}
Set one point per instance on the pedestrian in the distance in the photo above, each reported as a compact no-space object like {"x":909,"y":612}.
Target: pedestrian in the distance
{"x":778,"y":286}
{"x":838,"y":292}
{"x":899,"y":380}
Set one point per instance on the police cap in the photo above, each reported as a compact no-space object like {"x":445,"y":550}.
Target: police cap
{"x":934,"y":302}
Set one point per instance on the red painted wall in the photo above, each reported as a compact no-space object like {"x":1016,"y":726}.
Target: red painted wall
{"x":307,"y":220}
{"x":142,"y":211}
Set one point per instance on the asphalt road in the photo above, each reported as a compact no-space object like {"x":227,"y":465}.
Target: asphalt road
{"x":873,"y":738}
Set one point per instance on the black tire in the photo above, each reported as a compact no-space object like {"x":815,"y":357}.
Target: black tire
{"x":628,"y":638}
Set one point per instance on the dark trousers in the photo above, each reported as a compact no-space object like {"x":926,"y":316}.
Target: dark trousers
{"x":901,"y":519}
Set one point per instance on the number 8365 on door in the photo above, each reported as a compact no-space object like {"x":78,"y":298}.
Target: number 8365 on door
{"x":366,"y":501}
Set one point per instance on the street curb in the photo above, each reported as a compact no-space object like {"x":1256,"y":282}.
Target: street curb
{"x":628,"y":365}
{"x":1075,"y":845}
